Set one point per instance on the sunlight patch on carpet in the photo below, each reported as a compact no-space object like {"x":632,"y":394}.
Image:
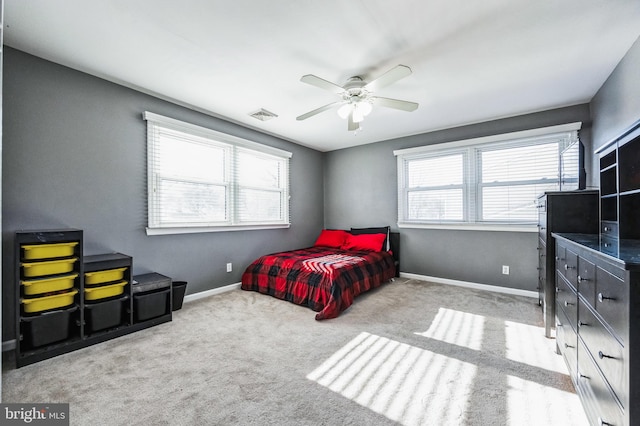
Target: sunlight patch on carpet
{"x":524,"y":345}
{"x":531,"y":403}
{"x":404,"y":383}
{"x":456,"y":327}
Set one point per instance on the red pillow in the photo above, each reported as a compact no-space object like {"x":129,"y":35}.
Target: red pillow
{"x":369,"y":242}
{"x":331,"y":238}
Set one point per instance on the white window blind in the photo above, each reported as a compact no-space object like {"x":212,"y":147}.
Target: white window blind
{"x":202,"y":180}
{"x":512,"y":176}
{"x":435,"y":187}
{"x":494,"y":180}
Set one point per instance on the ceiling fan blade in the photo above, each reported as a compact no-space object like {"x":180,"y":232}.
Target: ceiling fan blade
{"x":391,"y":76}
{"x":321,"y":83}
{"x":353,"y":126}
{"x":318,"y":110}
{"x":394,"y":103}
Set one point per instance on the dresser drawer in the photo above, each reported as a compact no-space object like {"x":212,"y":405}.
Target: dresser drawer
{"x":567,"y":342}
{"x":542,"y":227}
{"x":567,"y":263}
{"x":567,"y":300}
{"x":612,"y":302}
{"x":542,"y":262}
{"x":600,"y":404}
{"x":609,"y":245}
{"x":609,"y":229}
{"x":605,"y":350}
{"x":587,"y":280}
{"x":560,"y":257}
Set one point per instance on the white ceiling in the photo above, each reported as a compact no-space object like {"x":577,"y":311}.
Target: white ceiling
{"x":472,"y":61}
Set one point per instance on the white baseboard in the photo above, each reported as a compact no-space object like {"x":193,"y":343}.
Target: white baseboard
{"x":477,"y":286}
{"x":201,"y":295}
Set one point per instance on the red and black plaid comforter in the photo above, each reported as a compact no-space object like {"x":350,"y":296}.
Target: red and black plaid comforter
{"x":322,"y":278}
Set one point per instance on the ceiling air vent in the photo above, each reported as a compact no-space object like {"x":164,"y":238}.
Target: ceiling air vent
{"x":263,"y":115}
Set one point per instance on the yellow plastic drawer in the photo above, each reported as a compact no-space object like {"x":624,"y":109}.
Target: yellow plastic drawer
{"x":100,"y":277}
{"x":46,"y":285}
{"x":49,"y":267}
{"x":96,"y":293}
{"x":47,"y":251}
{"x":39,"y":304}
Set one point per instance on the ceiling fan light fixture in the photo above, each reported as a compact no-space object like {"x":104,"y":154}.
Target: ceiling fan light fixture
{"x":345,"y":110}
{"x":359,"y":109}
{"x":365,"y":107}
{"x":358,"y":116}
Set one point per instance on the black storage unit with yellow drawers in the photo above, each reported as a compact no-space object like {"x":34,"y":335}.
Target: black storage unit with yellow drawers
{"x":66,"y":301}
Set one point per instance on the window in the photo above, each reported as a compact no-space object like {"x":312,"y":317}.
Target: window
{"x":482,"y":182}
{"x":200,"y":180}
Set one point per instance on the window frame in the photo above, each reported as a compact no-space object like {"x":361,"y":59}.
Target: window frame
{"x":231,"y":145}
{"x":565,"y":134}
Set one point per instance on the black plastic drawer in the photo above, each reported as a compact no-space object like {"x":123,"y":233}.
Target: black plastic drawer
{"x":105,"y":315}
{"x":152,"y":304}
{"x":47,"y":328}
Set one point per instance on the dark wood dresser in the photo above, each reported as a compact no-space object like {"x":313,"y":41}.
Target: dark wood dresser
{"x":560,"y":211}
{"x":598,"y":292}
{"x":598,"y":322}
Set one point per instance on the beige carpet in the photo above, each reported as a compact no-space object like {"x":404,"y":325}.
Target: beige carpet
{"x":408,"y":353}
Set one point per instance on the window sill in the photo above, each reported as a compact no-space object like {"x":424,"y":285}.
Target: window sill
{"x":203,"y":229}
{"x":472,"y":227}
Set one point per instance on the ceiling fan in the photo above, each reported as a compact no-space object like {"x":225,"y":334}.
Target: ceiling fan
{"x":356,"y":96}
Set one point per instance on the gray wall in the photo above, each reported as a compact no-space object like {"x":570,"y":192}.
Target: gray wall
{"x":616,"y":106}
{"x":75,"y":156}
{"x":361,"y":190}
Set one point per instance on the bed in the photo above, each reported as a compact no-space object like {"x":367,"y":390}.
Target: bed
{"x":327,"y":276}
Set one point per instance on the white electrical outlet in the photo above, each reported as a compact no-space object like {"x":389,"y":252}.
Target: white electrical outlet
{"x":229,"y":267}
{"x":505,"y":269}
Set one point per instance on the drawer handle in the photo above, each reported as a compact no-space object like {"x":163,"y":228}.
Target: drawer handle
{"x":602,"y":355}
{"x":567,"y":303}
{"x":582,"y":376}
{"x":602,"y":298}
{"x":582,"y":324}
{"x":603,"y":423}
{"x":566,"y":345}
{"x":567,"y":267}
{"x":558,"y":324}
{"x":558,"y":290}
{"x":580,"y":279}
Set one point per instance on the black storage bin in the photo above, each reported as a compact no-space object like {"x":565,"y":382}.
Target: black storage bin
{"x":178,"y":290}
{"x":48,"y":327}
{"x":151,"y":296}
{"x":152,"y":304}
{"x":107,"y":314}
